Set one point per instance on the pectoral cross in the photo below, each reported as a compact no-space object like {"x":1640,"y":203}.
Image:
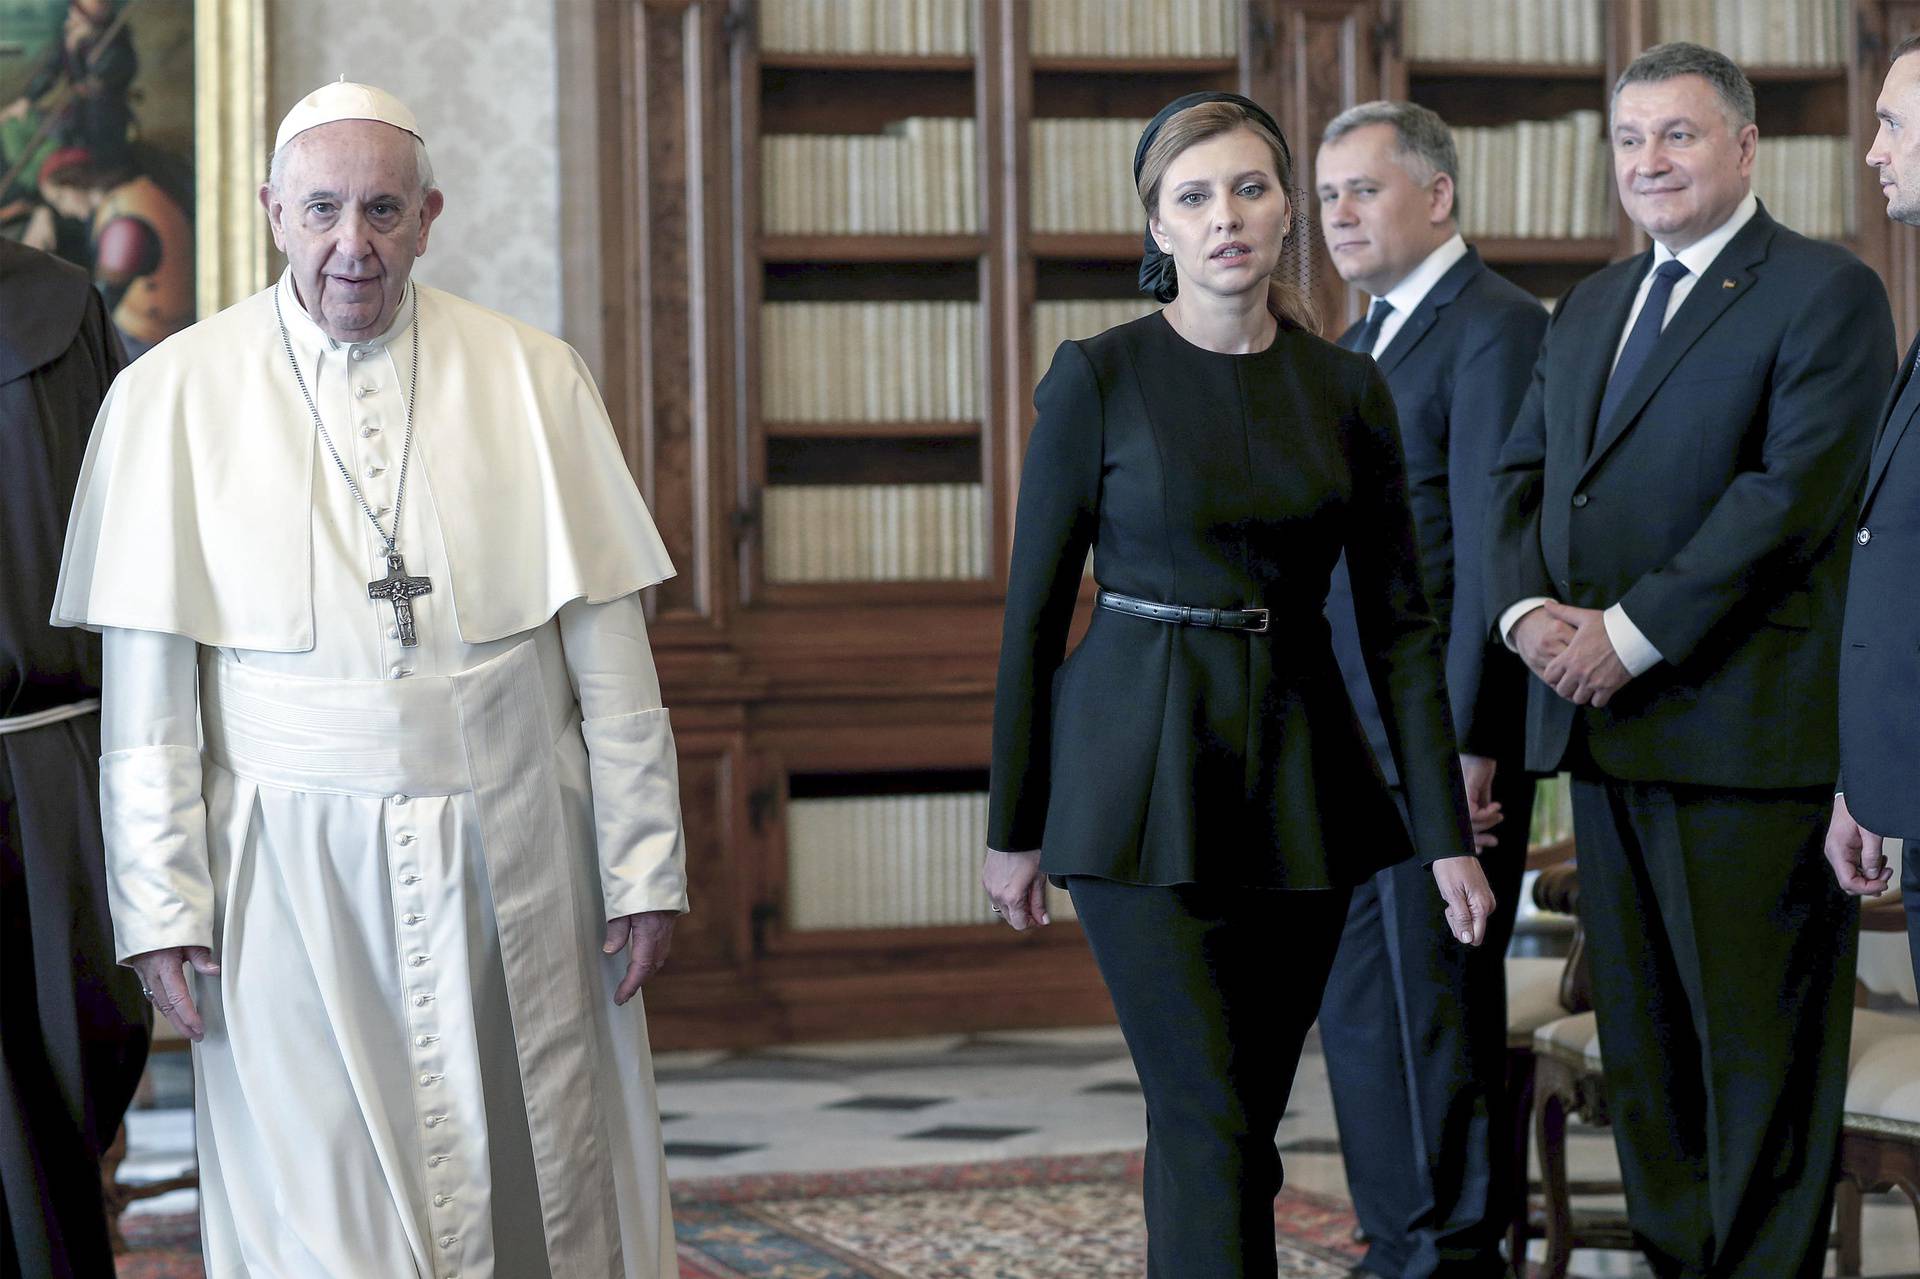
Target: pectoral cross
{"x":399,"y":590}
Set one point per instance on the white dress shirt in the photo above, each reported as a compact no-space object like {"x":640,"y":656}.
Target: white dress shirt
{"x":1630,"y":644}
{"x":1412,"y":291}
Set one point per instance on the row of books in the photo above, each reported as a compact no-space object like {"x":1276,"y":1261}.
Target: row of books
{"x":1760,"y":32}
{"x":932,"y":27}
{"x":1134,"y":28}
{"x":891,"y":861}
{"x":1550,"y":179}
{"x":874,"y":532}
{"x":1548,"y":31}
{"x":1056,"y":322}
{"x":920,"y":177}
{"x":1082,"y":175}
{"x":870,"y":362}
{"x":1809,"y":183}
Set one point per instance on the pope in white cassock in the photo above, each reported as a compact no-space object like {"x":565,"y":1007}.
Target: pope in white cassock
{"x":384,"y":762}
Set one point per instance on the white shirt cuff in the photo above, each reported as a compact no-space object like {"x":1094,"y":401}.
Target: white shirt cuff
{"x":1635,"y":651}
{"x":1511,"y":618}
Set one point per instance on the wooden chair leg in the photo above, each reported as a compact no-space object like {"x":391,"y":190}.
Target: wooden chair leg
{"x":1847,"y":1204}
{"x":1550,"y":1139}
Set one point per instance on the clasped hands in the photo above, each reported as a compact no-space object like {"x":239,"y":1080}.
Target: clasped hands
{"x":1569,"y":649}
{"x":647,"y":937}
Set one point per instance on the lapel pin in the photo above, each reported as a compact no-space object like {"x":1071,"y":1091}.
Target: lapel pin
{"x":1728,"y":284}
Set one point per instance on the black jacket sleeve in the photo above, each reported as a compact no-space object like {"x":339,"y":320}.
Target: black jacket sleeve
{"x":1053,"y":530}
{"x":1399,"y":639}
{"x":1513,"y":564}
{"x":1490,"y":381}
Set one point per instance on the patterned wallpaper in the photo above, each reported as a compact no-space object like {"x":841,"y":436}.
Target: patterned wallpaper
{"x":481,"y":76}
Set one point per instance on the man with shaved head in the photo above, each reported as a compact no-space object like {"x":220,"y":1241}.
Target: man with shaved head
{"x":388,"y":792}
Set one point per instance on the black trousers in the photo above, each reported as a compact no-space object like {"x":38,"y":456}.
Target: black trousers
{"x":1215,"y":988}
{"x":1722,"y":957}
{"x":1414,"y":1025}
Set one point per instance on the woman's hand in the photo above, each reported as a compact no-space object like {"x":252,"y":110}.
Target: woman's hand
{"x":1016,"y":888}
{"x":1463,"y":886}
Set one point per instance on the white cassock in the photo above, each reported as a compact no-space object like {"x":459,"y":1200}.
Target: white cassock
{"x":403,"y":858}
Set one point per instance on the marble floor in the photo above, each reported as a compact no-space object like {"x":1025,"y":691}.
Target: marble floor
{"x":952,"y":1099}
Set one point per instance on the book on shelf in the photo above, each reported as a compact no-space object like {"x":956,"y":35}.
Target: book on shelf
{"x":1809,"y":183}
{"x":870,"y":362}
{"x":1134,"y":28}
{"x":1785,"y":33}
{"x":1566,"y":32}
{"x":912,"y":27}
{"x":890,"y":861}
{"x":1535,"y":179}
{"x":1082,"y":175}
{"x":874,"y":532}
{"x":1057,"y":322}
{"x":919,"y":177}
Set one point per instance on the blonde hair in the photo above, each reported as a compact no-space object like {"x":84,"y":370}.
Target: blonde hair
{"x":1287,"y":294}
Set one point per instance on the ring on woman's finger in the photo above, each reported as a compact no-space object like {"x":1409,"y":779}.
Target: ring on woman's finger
{"x":147,"y":993}
{"x":998,"y":911}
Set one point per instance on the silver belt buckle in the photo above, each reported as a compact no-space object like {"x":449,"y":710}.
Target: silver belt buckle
{"x":1260,"y":613}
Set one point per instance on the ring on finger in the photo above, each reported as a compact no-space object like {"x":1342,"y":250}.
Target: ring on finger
{"x":998,"y":911}
{"x":149,"y":994}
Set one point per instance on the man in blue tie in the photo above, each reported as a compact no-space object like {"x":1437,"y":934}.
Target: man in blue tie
{"x":1415,"y":1030}
{"x":1668,"y":552}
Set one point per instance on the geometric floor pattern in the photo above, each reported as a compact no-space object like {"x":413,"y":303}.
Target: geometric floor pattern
{"x":1006,"y":1099}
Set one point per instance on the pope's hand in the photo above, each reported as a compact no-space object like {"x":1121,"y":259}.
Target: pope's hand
{"x":1857,"y":855}
{"x":1016,"y":888}
{"x":164,"y":982}
{"x":650,"y":934}
{"x":1463,"y":886}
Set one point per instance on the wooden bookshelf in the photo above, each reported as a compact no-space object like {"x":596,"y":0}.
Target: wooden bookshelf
{"x":871,"y":248}
{"x":777,"y":684}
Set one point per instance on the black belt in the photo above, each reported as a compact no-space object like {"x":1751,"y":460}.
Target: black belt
{"x":1251,"y":620}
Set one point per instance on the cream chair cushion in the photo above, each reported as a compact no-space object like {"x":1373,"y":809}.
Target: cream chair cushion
{"x":1533,"y":997}
{"x":1574,"y":1040}
{"x":1883,"y":1073}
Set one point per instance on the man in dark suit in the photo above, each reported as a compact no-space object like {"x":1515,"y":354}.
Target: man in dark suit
{"x":1668,"y":553}
{"x":1414,"y":1029}
{"x":1879,"y":682}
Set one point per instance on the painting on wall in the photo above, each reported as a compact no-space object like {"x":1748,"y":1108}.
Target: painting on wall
{"x":114,"y":116}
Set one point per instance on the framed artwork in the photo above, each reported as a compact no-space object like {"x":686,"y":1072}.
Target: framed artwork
{"x":132,"y":140}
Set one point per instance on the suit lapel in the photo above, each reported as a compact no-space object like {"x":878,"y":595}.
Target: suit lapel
{"x":1444,"y":291}
{"x":1726,"y":279}
{"x":1594,"y":360}
{"x":1891,"y":428}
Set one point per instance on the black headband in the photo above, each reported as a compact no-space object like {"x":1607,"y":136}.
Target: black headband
{"x":1156,"y":268}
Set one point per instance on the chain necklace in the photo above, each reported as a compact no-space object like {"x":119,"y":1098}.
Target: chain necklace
{"x":396,"y":587}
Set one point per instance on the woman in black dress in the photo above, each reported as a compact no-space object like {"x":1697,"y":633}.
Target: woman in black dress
{"x":1194,"y":772}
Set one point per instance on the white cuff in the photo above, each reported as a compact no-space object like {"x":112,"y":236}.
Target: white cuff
{"x":155,"y":827}
{"x":636,"y":812}
{"x":1635,"y":651}
{"x":1511,"y":618}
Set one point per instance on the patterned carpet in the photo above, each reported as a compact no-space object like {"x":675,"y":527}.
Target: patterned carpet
{"x":1075,"y":1217}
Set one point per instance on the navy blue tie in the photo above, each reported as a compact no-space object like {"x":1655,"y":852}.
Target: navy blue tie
{"x":1645,"y":335}
{"x":1370,"y":333}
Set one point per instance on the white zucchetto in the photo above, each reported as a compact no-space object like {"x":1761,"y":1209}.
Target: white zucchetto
{"x":344,"y":100}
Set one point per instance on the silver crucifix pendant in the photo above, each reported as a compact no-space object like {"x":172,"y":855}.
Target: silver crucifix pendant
{"x":399,"y":590}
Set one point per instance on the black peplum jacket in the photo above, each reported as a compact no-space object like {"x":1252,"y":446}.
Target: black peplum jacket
{"x":1164,"y":754}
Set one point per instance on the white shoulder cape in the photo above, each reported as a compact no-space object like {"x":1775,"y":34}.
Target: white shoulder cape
{"x":194,"y":513}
